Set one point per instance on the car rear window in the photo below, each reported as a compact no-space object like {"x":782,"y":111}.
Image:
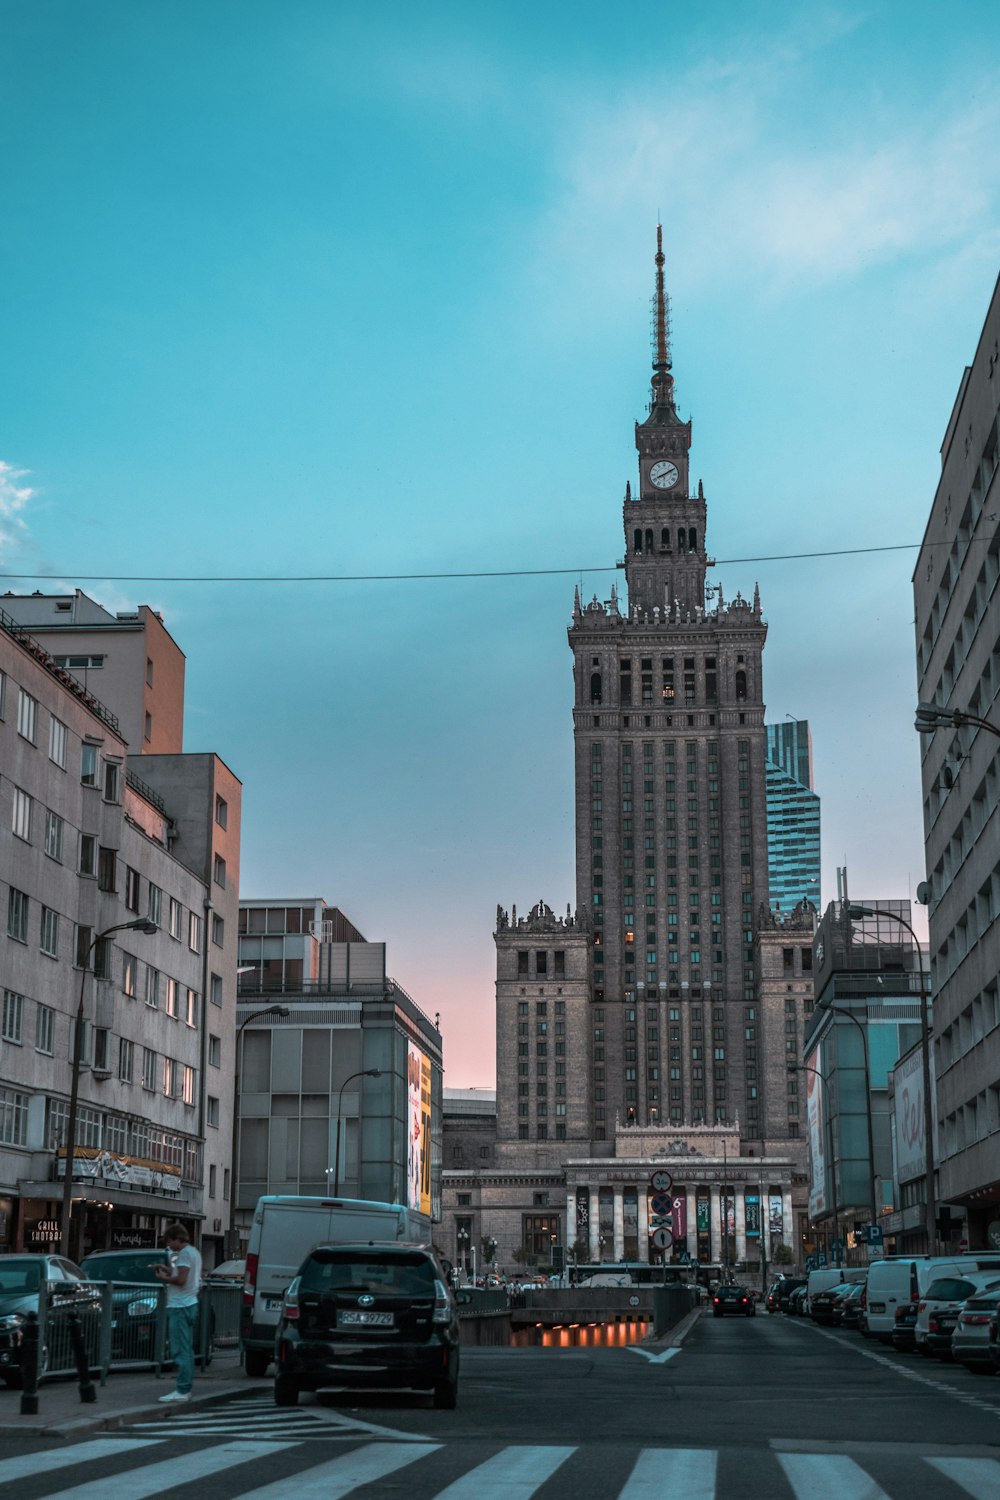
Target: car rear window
{"x":15,"y":1276}
{"x":950,"y":1289}
{"x":401,"y":1274}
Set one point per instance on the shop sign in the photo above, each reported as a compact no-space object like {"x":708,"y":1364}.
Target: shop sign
{"x":44,"y":1232}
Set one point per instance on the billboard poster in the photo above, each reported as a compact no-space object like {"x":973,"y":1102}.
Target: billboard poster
{"x":908,"y":1108}
{"x":702,"y":1210}
{"x":817,"y":1155}
{"x":776,"y":1223}
{"x":418,"y":1121}
{"x":751,"y":1210}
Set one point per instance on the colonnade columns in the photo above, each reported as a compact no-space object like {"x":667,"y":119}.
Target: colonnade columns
{"x":643,"y":1224}
{"x":595,"y":1225}
{"x":570,"y":1231}
{"x":692,"y":1223}
{"x":739,"y":1197}
{"x":618,"y":1232}
{"x":787,"y":1223}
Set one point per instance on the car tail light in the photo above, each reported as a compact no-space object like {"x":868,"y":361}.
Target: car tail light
{"x":933,"y":1326}
{"x":902,"y":1313}
{"x":715,"y":1300}
{"x":921,"y":1307}
{"x":290,"y":1309}
{"x":442,"y":1306}
{"x":250,"y":1280}
{"x":976,"y":1319}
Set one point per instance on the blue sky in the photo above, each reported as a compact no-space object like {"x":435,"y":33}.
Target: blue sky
{"x":316,"y":288}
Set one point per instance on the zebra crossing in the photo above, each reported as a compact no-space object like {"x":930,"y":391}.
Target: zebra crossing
{"x":126,"y":1467}
{"x":260,"y":1418}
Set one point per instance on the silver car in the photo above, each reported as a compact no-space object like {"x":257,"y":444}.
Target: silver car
{"x":970,"y":1341}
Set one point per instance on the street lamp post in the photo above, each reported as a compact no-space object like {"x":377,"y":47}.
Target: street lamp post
{"x":824,"y":1079}
{"x":363,"y":1073}
{"x":462,"y":1236}
{"x":141,"y":924}
{"x":857,"y":913}
{"x":270,"y":1010}
{"x":841,"y":1011}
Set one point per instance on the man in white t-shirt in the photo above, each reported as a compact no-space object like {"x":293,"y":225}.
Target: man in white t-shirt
{"x":182,"y":1279}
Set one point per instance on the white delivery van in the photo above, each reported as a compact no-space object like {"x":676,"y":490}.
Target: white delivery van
{"x":902,"y":1280}
{"x":283,"y":1232}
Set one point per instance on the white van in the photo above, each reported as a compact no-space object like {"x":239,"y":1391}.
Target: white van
{"x":283,"y":1232}
{"x":901,"y":1281}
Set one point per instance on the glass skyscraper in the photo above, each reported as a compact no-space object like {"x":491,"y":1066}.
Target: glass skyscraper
{"x":792,"y":816}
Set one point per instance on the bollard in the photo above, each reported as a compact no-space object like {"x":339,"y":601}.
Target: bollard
{"x":87,"y":1391}
{"x":29,"y":1366}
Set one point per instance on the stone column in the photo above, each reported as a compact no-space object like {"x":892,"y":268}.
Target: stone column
{"x":715,"y":1220}
{"x":692,"y":1222}
{"x":787,"y":1221}
{"x":570,"y":1224}
{"x":643,"y":1222}
{"x":618,"y":1239}
{"x":739,"y":1196}
{"x":595,"y":1224}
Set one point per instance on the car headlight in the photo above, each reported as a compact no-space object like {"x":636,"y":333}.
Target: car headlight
{"x":141,"y":1305}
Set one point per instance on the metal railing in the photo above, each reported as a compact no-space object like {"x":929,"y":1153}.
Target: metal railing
{"x":123,"y":1325}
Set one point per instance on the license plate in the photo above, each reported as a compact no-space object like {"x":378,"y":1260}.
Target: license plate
{"x":876,"y":1307}
{"x":347,"y":1319}
{"x":270,"y":1303}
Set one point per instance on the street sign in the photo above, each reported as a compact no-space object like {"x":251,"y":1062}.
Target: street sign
{"x":821,"y":1258}
{"x":810,"y":1262}
{"x":660,"y":1221}
{"x":661,"y":1182}
{"x":662,"y":1239}
{"x":873,"y":1234}
{"x":685,"y":1258}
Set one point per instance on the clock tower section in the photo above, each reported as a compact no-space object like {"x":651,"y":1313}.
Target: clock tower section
{"x":664,"y":526}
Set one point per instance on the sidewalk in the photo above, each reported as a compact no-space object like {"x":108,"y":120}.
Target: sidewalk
{"x":128,"y":1396}
{"x":674,"y":1337}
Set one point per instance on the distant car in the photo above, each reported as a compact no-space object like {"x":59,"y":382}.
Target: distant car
{"x":783,"y":1289}
{"x":938,"y":1309}
{"x":733,"y":1299}
{"x":970,"y":1342}
{"x":376,"y":1316}
{"x":21,"y":1278}
{"x":847,"y":1307}
{"x":823,"y":1305}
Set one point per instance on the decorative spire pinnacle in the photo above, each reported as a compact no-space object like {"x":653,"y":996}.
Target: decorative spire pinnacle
{"x":663,"y":381}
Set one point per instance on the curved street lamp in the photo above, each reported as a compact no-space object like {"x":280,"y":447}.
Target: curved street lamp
{"x":141,"y":924}
{"x":363,"y":1073}
{"x":930,"y":717}
{"x":858,"y":913}
{"x":824,"y":1078}
{"x":270,"y":1010}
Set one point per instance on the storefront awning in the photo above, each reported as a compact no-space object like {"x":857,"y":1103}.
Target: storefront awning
{"x":176,"y":1206}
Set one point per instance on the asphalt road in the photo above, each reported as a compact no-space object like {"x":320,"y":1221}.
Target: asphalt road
{"x":749,"y":1408}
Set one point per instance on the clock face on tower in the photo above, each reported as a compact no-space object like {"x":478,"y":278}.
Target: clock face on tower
{"x":663,"y":474}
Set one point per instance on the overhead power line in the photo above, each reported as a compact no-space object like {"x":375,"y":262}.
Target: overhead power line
{"x":428,"y":577}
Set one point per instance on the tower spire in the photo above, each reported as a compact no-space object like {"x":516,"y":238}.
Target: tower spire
{"x":663,"y":381}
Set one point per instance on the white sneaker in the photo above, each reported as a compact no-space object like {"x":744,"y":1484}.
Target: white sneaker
{"x":176,"y":1396}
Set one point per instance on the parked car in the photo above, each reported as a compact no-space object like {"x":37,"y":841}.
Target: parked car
{"x":850,"y":1305}
{"x":904,"y":1324}
{"x":970,"y":1341}
{"x":21,"y":1279}
{"x":227,"y":1273}
{"x":938,"y":1309}
{"x":781,"y":1290}
{"x":796,"y":1304}
{"x":733,"y":1299}
{"x":134,"y":1311}
{"x":823,"y":1305}
{"x":377,"y":1315}
{"x":905,"y":1278}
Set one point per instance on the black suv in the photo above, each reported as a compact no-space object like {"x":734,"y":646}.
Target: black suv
{"x":379,"y":1316}
{"x":733,"y":1299}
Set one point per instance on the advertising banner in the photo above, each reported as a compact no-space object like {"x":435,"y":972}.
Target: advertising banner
{"x":776,"y":1223}
{"x":419,"y":1112}
{"x":908,"y":1109}
{"x":817,"y":1154}
{"x":751,"y":1209}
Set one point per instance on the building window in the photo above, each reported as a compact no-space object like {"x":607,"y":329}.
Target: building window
{"x":215,"y":989}
{"x":22,"y":815}
{"x":27,"y":715}
{"x":218,"y":931}
{"x":154,"y":905}
{"x":13,"y":1117}
{"x":13,"y":1014}
{"x":215,"y":1051}
{"x":88,"y":854}
{"x":188,"y":1085}
{"x":147,"y":727}
{"x":170,"y":998}
{"x":194,"y":932}
{"x":212,"y":1107}
{"x":106,"y":863}
{"x":17,"y":915}
{"x":57,"y":742}
{"x":131,"y":888}
{"x":221,"y":811}
{"x":174,"y":918}
{"x":148,"y":1069}
{"x":88,"y":764}
{"x":45,"y":1029}
{"x":129,"y":966}
{"x":211,"y":1180}
{"x":219,"y":871}
{"x":152,"y":987}
{"x":53,"y":835}
{"x":112,"y":780}
{"x":49,"y":940}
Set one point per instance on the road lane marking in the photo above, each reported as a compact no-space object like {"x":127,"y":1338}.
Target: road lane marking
{"x":30,"y":1464}
{"x":816,"y":1476}
{"x":514,"y":1474}
{"x":655,"y":1359}
{"x":340,"y":1476}
{"x":181,"y":1469}
{"x":941,"y":1388}
{"x":979,"y":1477}
{"x":681,"y":1471}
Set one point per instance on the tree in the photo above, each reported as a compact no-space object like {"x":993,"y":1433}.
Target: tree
{"x":783,"y":1256}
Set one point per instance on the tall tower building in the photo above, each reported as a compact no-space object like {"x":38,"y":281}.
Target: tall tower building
{"x":792,"y":816}
{"x":671,"y":829}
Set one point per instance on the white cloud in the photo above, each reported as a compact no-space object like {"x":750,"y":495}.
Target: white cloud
{"x":14,"y":498}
